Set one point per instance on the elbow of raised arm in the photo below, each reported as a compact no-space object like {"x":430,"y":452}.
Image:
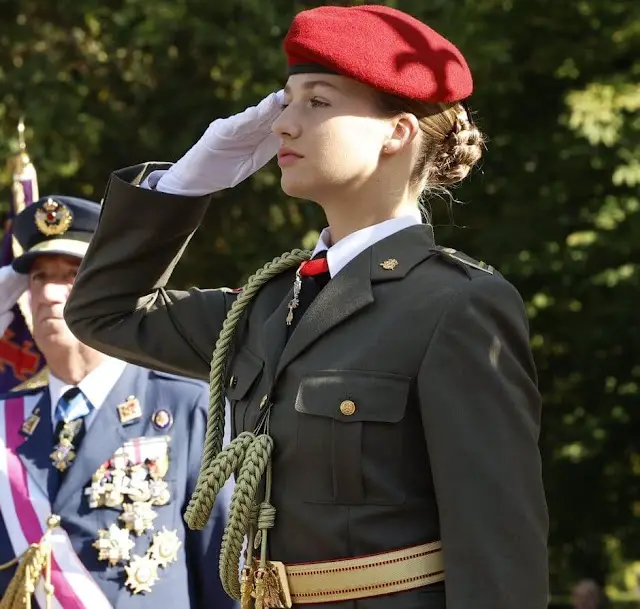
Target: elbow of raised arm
{"x":84,"y":322}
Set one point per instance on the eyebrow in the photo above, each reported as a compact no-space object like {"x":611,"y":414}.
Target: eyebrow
{"x":310,"y":84}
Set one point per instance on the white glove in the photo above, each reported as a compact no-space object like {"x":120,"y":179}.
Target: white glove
{"x":12,"y":286}
{"x":230,"y":150}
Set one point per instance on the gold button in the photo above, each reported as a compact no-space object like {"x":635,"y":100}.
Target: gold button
{"x":347,"y":408}
{"x":263,"y":401}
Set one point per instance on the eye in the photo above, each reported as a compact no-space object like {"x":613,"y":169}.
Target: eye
{"x":317,"y":103}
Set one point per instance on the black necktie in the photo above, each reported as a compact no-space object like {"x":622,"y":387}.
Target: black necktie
{"x":312,"y":283}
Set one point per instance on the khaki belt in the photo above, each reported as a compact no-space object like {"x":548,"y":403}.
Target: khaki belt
{"x":356,"y":578}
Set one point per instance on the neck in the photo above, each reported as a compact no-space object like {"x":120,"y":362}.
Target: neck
{"x":353,"y":212}
{"x":72,"y":365}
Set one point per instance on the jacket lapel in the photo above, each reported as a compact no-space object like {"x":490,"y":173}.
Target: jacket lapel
{"x":35,"y":450}
{"x":351,"y":289}
{"x":346,"y":293}
{"x":105,"y":435}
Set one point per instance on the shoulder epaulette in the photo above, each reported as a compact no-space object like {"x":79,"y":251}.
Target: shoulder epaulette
{"x":461,"y":258}
{"x":37,"y":381}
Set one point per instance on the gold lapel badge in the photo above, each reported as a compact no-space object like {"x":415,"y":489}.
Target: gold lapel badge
{"x":29,"y":426}
{"x":113,"y":544}
{"x":142,"y":574}
{"x":129,"y":410}
{"x":53,"y":218}
{"x":389,"y":265}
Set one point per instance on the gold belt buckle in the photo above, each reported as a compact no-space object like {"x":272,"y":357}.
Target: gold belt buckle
{"x":271,"y":586}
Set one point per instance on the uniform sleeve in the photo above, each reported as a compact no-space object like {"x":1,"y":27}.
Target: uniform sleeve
{"x":481,"y":414}
{"x":119,"y":303}
{"x":203,"y":547}
{"x":12,"y":286}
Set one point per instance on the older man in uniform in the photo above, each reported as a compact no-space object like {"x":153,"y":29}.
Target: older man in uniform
{"x":98,"y":460}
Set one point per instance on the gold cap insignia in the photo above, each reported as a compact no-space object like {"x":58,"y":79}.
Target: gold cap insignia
{"x":389,"y":265}
{"x":162,"y":419}
{"x":129,"y":410}
{"x":53,"y":218}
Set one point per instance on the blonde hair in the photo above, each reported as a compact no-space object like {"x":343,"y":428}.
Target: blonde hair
{"x":451,"y":143}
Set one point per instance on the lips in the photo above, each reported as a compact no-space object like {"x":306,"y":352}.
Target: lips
{"x":286,"y":156}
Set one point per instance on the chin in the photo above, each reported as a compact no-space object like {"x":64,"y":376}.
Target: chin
{"x":297,"y":188}
{"x":56,"y":338}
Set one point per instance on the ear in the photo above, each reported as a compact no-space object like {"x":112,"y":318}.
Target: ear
{"x":405,"y":128}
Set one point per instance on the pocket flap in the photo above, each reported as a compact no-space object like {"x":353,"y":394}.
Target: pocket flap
{"x":244,"y":370}
{"x":352,"y":395}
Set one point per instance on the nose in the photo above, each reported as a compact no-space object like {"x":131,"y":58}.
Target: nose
{"x":286,"y":125}
{"x":54,"y":292}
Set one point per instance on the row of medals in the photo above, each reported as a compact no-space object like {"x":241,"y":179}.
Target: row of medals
{"x":135,"y":489}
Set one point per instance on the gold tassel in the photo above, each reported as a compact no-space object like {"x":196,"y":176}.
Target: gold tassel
{"x":246,"y":588}
{"x":260,"y":587}
{"x":31,"y":565}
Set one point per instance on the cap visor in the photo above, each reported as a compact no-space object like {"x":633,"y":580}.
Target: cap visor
{"x":65,"y":247}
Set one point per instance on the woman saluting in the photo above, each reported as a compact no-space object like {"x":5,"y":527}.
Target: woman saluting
{"x":384,"y":395}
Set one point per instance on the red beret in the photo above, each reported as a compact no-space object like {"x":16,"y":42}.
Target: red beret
{"x":381,"y":47}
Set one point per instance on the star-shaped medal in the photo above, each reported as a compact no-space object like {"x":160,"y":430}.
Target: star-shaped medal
{"x":142,"y":573}
{"x":113,"y":545}
{"x":138,"y":516}
{"x":165,"y":547}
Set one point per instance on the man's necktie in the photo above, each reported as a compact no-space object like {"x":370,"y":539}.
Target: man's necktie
{"x":72,"y":405}
{"x":71,"y":410}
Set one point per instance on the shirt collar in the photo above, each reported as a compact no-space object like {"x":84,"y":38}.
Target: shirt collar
{"x":96,"y":386}
{"x":345,"y":250}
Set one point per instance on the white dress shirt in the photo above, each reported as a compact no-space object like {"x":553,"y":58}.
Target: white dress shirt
{"x":96,"y":386}
{"x":345,"y":250}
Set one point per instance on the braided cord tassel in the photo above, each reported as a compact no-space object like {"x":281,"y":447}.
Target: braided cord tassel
{"x":32,"y":565}
{"x":249,"y":454}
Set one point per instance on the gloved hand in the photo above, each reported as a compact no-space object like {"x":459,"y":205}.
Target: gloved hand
{"x":230,"y":150}
{"x":12,"y":286}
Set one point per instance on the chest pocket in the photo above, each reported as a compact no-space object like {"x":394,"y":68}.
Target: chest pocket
{"x":241,"y":384}
{"x":349,"y":442}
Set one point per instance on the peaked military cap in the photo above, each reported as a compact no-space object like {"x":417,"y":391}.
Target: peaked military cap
{"x":54,"y":225}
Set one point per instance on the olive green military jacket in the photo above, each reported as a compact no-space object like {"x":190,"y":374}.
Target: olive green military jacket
{"x":434,"y":354}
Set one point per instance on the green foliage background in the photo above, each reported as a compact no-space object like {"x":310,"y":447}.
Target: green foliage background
{"x":555,"y":206}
